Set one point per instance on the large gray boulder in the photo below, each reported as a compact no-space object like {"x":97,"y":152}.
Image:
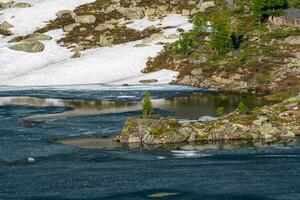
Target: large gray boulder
{"x":34,"y":37}
{"x":292,"y":17}
{"x":293,"y":40}
{"x":3,"y":6}
{"x":105,"y":27}
{"x":6,"y":25}
{"x":268,"y":131}
{"x":85,"y":19}
{"x":29,"y":47}
{"x":202,"y":6}
{"x":133,"y":13}
{"x":65,"y":13}
{"x":70,"y":27}
{"x":105,"y":41}
{"x":22,"y":5}
{"x":149,"y":12}
{"x":5,"y":32}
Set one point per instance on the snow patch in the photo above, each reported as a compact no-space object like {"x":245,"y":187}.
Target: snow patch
{"x":27,"y":20}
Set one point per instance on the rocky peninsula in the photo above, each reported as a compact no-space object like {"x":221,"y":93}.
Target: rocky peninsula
{"x":278,"y":121}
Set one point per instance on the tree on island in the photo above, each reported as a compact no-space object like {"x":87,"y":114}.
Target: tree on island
{"x":147,"y":105}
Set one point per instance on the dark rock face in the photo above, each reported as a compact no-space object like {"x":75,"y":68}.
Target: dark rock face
{"x":292,"y":17}
{"x":278,"y":121}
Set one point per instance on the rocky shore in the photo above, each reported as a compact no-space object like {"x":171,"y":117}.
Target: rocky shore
{"x":268,"y":122}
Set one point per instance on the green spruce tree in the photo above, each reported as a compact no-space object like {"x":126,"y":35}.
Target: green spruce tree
{"x":147,"y":105}
{"x":262,"y":9}
{"x":220,"y":39}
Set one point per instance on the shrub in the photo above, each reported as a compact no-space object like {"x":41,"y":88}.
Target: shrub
{"x":131,"y":123}
{"x":168,"y":127}
{"x":262,"y":9}
{"x":294,"y":3}
{"x":147,"y":105}
{"x":261,"y":79}
{"x":184,"y":45}
{"x":240,"y":5}
{"x":173,"y":123}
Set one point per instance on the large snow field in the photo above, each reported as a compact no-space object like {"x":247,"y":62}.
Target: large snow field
{"x":53,"y":67}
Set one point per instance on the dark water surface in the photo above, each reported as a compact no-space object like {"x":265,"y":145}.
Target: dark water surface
{"x":216,"y":171}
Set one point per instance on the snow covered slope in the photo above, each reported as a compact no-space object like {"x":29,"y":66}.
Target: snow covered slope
{"x":116,"y":65}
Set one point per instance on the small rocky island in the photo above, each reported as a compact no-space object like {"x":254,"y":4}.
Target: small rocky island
{"x":278,"y":121}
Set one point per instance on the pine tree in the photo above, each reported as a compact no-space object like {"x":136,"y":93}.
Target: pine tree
{"x":262,"y":9}
{"x":221,"y":35}
{"x":147,"y":105}
{"x":258,"y":9}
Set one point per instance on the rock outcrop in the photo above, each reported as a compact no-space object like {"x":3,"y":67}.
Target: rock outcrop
{"x":292,"y":40}
{"x":4,"y":29}
{"x":291,"y":18}
{"x":22,"y":5}
{"x":65,"y":14}
{"x":29,"y":47}
{"x":205,"y":5}
{"x":5,"y":32}
{"x":133,"y":13}
{"x":34,"y":37}
{"x":13,"y":4}
{"x":70,"y":27}
{"x":154,"y":131}
{"x":6,"y":25}
{"x":85,"y":19}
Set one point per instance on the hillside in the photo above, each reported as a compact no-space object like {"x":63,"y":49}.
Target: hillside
{"x":121,"y":42}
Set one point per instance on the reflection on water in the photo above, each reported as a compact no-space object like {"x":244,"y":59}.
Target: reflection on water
{"x":192,"y":106}
{"x":180,"y":149}
{"x":197,"y":105}
{"x":80,"y":104}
